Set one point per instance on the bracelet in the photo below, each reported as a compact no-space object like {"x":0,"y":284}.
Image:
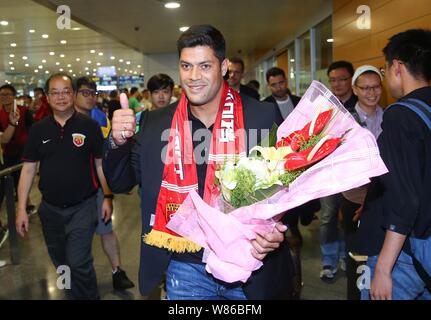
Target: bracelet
{"x":14,"y":124}
{"x":108,"y":196}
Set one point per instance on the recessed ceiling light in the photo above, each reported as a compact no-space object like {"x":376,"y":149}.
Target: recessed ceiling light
{"x":77,"y":59}
{"x":4,"y":23}
{"x":51,"y":53}
{"x":57,"y":63}
{"x":330,"y":40}
{"x":92,"y":51}
{"x":121,"y":60}
{"x":12,"y":55}
{"x":13,"y":44}
{"x":87,"y":73}
{"x":70,"y":71}
{"x":125,"y":70}
{"x":35,"y":70}
{"x":63,"y":41}
{"x":94,"y":69}
{"x":61,"y":55}
{"x":86,"y":68}
{"x":128,"y":62}
{"x":139,"y":65}
{"x":40,"y":67}
{"x":61,"y":69}
{"x":100,"y":53}
{"x":46,"y":71}
{"x":12,"y":68}
{"x":45,"y":36}
{"x":172,"y":5}
{"x":98,"y":63}
{"x":76,"y":29}
{"x":112,"y":58}
{"x":73,"y":75}
{"x":32,"y":31}
{"x":10,"y":62}
{"x":89,"y":61}
{"x":24,"y":57}
{"x":119,"y":68}
{"x":43,"y":61}
{"x":183,"y":29}
{"x":69,"y":65}
{"x":292,"y":60}
{"x":26,"y":65}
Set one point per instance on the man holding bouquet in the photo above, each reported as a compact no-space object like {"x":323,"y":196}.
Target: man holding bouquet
{"x":176,"y":152}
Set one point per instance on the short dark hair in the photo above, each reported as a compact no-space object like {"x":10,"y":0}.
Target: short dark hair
{"x":160,"y":81}
{"x":9,"y":87}
{"x":274,"y":72}
{"x":113,"y":94}
{"x":238,"y":60}
{"x":39,"y":89}
{"x":254,"y":83}
{"x":58,"y":75}
{"x":341,"y":65}
{"x":203,"y":35}
{"x":413,"y":48}
{"x":133,"y":90}
{"x":85,"y":81}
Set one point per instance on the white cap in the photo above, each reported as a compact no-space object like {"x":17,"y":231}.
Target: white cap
{"x":363,"y":69}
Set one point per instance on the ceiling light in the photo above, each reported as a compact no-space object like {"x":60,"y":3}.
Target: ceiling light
{"x":183,"y":29}
{"x":112,"y":58}
{"x":73,"y":75}
{"x":32,"y":31}
{"x":61,"y":55}
{"x":13,"y":44}
{"x":57,"y":63}
{"x":45,"y":36}
{"x":12,"y":68}
{"x":292,"y":60}
{"x":98,"y":63}
{"x":4,"y":23}
{"x":330,"y":40}
{"x":43,"y":61}
{"x":51,"y":53}
{"x":10,"y":62}
{"x":121,"y":60}
{"x":92,"y":51}
{"x":12,"y":55}
{"x":46,"y":71}
{"x":86,"y":68}
{"x":125,"y":70}
{"x":24,"y":57}
{"x":35,"y":70}
{"x":26,"y":65}
{"x":77,"y":59}
{"x":89,"y":61}
{"x":172,"y":5}
{"x":76,"y":29}
{"x":63,"y":41}
{"x":70,"y":71}
{"x":61,"y":69}
{"x":100,"y":53}
{"x":128,"y":62}
{"x":94,"y":70}
{"x":40,"y":67}
{"x":139,"y":65}
{"x":119,"y":68}
{"x":87,"y":73}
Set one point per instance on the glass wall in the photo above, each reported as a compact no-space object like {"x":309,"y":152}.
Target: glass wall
{"x":304,"y":70}
{"x":291,"y":67}
{"x":323,"y":35}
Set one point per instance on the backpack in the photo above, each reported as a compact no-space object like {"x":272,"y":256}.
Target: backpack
{"x":420,"y":248}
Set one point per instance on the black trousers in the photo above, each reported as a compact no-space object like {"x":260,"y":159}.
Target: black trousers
{"x":69,"y":235}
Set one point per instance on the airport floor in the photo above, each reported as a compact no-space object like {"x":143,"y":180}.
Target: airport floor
{"x":35,"y":277}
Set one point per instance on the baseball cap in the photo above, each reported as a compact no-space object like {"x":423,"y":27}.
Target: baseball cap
{"x":363,"y":69}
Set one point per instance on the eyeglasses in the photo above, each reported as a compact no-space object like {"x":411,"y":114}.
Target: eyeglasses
{"x":368,"y":89}
{"x":86,"y":93}
{"x":335,"y":80}
{"x":57,"y":94}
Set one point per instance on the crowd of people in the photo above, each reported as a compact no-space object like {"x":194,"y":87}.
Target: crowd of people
{"x":67,"y":123}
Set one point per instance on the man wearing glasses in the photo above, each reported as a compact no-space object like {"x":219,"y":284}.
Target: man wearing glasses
{"x":69,"y":147}
{"x":340,"y":75}
{"x":85,"y":103}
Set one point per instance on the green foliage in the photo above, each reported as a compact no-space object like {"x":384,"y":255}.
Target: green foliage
{"x":288,"y":177}
{"x":244,"y":191}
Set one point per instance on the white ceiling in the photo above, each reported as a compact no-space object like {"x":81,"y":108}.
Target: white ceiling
{"x":108,"y":26}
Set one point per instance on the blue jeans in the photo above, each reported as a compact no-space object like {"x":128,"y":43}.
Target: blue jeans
{"x":190,"y":281}
{"x":406,"y":283}
{"x":332,"y":243}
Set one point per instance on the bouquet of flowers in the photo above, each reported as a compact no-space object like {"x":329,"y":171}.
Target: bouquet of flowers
{"x":316,"y":146}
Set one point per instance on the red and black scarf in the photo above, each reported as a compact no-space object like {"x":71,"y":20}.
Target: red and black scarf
{"x":180,"y":173}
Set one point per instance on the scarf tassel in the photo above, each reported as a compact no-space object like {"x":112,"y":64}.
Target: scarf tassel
{"x":168,"y":241}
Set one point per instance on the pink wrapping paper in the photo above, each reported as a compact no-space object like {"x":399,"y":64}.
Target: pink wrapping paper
{"x":226,"y":237}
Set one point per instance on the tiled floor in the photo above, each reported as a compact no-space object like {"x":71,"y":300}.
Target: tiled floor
{"x":35,"y":277}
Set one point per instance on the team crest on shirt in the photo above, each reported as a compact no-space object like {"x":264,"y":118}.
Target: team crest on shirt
{"x":78,"y":139}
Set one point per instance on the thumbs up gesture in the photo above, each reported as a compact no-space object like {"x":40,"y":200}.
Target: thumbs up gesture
{"x":123,"y":122}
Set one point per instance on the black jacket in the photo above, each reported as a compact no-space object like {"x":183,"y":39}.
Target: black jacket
{"x":295,"y":101}
{"x":249,"y":92}
{"x":139,"y":162}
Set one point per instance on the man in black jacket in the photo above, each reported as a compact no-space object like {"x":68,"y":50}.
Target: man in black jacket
{"x":235,"y":72}
{"x":281,"y":95}
{"x":138,"y":161}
